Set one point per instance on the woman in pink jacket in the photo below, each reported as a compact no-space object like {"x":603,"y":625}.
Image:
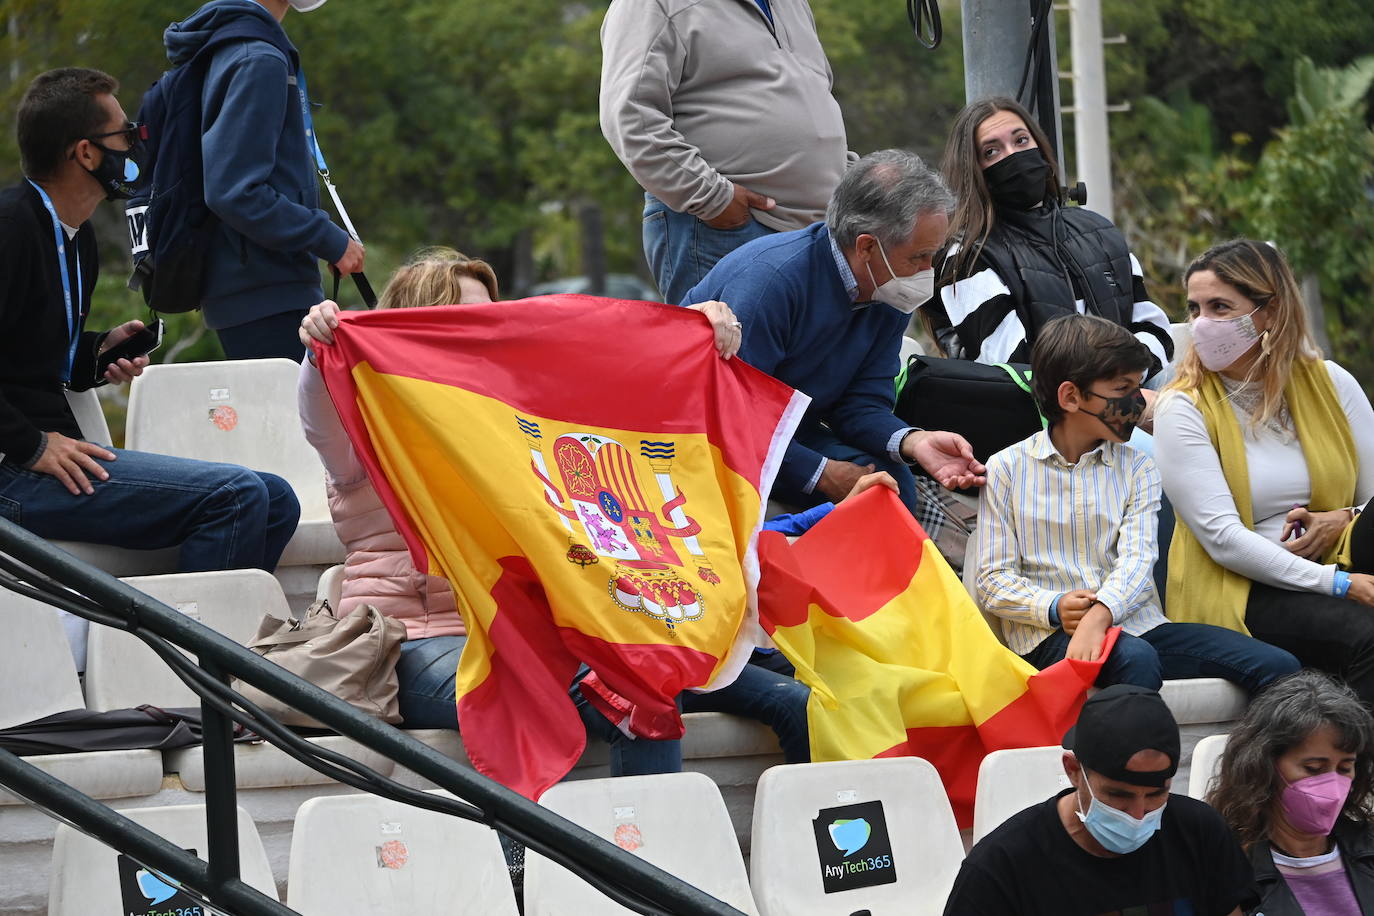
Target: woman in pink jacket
{"x":377,"y":569}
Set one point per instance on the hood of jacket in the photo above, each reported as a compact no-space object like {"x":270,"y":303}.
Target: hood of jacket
{"x":183,"y":39}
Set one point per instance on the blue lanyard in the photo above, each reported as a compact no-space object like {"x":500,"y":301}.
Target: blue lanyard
{"x":73,"y":323}
{"x":310,"y":124}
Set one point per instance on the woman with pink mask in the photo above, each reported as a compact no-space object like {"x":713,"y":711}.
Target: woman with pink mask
{"x":1267,"y":453}
{"x":1295,"y":787}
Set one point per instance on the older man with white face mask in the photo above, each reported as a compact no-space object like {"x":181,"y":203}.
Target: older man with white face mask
{"x":823,"y":309}
{"x":259,"y":164}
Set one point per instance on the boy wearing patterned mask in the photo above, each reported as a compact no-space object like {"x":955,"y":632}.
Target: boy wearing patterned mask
{"x":1116,"y":841}
{"x":1067,"y":525}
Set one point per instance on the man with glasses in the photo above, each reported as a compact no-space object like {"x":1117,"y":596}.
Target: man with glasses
{"x":262,"y":273}
{"x":77,"y":148}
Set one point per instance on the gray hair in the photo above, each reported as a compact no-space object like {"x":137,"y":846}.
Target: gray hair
{"x":1279,"y":719}
{"x":883,"y":195}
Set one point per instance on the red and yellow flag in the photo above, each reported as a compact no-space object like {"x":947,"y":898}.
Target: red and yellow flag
{"x":899,"y":660}
{"x":589,"y":476}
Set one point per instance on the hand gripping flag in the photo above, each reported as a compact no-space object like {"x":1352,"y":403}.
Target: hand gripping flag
{"x":589,"y":475}
{"x":899,"y":660}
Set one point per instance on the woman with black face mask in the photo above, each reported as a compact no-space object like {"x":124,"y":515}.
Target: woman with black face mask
{"x":1017,"y":257}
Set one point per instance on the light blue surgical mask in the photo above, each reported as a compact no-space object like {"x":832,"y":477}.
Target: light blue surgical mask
{"x":1115,"y":829}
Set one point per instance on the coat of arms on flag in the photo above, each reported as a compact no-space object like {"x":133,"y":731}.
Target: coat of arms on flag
{"x":590,"y":477}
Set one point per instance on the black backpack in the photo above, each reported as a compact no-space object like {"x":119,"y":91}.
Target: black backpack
{"x":990,"y":406}
{"x":170,"y":226}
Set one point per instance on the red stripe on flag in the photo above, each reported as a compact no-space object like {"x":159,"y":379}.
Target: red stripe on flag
{"x":1037,"y":718}
{"x":955,"y":751}
{"x":529,"y":667}
{"x":885,"y":565}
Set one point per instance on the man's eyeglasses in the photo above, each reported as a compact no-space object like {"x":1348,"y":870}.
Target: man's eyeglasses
{"x":133,"y":134}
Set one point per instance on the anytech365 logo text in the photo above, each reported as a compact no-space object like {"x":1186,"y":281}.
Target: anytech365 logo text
{"x":853,"y":847}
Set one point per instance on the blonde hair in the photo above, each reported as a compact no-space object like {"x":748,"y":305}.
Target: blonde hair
{"x":432,"y":277}
{"x":1260,"y":273}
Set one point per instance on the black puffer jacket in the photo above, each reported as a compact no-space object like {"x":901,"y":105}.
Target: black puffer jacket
{"x":1046,"y":259}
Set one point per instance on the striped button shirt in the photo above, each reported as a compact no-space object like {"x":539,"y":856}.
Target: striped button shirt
{"x":1046,"y":527}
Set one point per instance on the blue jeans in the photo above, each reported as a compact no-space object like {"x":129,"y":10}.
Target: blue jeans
{"x":681,"y":249}
{"x":766,"y":690}
{"x":629,"y":756}
{"x":1179,"y":650}
{"x":427,"y":672}
{"x":223,"y":516}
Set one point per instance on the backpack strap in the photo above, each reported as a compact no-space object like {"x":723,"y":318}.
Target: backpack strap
{"x":1022,"y":381}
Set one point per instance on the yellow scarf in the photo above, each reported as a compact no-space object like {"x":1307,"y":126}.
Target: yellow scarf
{"x":1200,"y":590}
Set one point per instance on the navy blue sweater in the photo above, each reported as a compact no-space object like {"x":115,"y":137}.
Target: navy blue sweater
{"x":800,"y":327}
{"x":260,"y":177}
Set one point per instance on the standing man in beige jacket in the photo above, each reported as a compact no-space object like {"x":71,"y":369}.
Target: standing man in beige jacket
{"x":722,"y":111}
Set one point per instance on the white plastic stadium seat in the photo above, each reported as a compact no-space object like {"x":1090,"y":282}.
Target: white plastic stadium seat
{"x":240,"y":412}
{"x":677,"y":821}
{"x":37,"y":673}
{"x":90,"y":418}
{"x":331,"y":586}
{"x":122,"y":671}
{"x":971,"y":585}
{"x":1206,"y":764}
{"x":852,"y":824}
{"x":85,"y":874}
{"x":363,"y":854}
{"x":1204,"y":700}
{"x":1010,"y":781}
{"x":37,"y":679}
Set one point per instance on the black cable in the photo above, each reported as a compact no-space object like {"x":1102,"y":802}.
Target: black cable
{"x":919,"y":12}
{"x":233,"y":705}
{"x":1042,"y":15}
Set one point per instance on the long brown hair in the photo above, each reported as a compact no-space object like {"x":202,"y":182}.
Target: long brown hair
{"x":974,"y":215}
{"x":1260,"y":273}
{"x":431,"y":277}
{"x":1248,"y":784}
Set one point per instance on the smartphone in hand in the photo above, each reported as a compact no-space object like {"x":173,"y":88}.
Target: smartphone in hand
{"x":135,"y":345}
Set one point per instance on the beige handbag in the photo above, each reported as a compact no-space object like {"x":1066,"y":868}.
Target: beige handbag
{"x":353,"y":657}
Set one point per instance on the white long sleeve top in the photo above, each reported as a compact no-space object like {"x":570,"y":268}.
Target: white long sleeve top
{"x":1193,"y":479}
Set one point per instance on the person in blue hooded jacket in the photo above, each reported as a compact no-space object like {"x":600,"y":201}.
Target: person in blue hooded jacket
{"x":263,"y":270}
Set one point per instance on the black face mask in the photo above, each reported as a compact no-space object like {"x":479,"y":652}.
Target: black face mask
{"x":1121,"y":415}
{"x":118,"y":172}
{"x":1017,"y":182}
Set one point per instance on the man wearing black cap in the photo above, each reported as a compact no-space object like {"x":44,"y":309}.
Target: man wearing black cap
{"x":1117,"y":843}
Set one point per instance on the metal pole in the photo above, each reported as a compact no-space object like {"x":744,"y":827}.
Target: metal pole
{"x":996,"y":33}
{"x":221,"y":807}
{"x":1093,"y":154}
{"x":995,"y":37}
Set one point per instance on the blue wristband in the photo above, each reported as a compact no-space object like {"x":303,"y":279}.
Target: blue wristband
{"x":1054,"y":609}
{"x":1341,"y":584}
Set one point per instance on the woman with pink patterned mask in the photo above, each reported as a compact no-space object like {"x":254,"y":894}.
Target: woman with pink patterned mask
{"x":1266,"y":451}
{"x":1294,"y":785}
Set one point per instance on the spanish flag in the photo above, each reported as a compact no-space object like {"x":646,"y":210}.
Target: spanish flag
{"x":589,"y":475}
{"x":899,"y":660}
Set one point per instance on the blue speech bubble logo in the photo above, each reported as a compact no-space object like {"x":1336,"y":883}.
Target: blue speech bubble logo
{"x":850,"y":836}
{"x":154,"y":888}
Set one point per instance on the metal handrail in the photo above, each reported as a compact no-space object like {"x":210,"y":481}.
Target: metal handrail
{"x":32,"y":566}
